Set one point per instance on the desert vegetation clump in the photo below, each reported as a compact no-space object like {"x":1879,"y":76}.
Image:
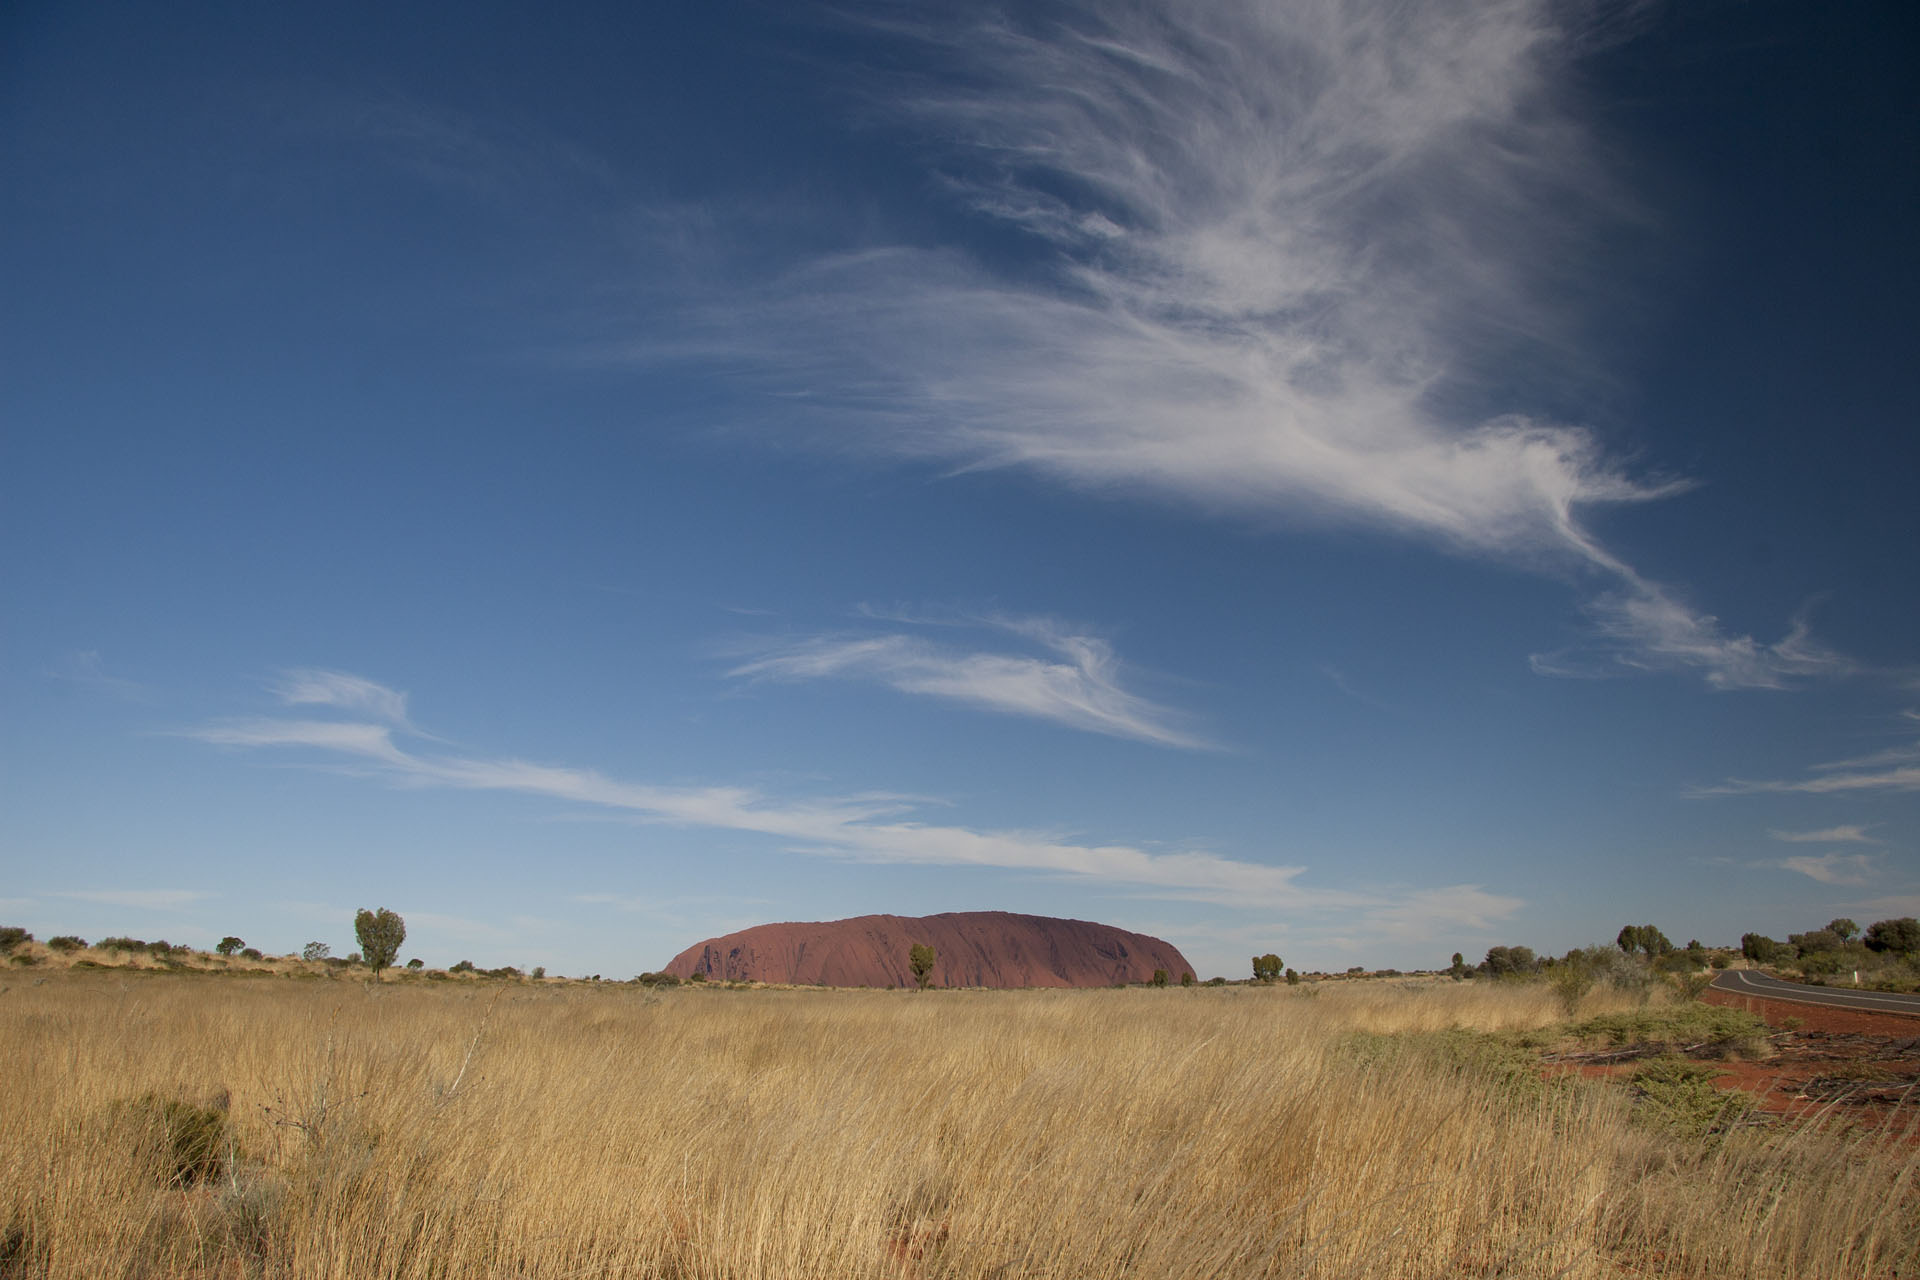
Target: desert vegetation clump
{"x":379,"y":933}
{"x":920,"y":960}
{"x":178,"y":1142}
{"x":1885,"y":955}
{"x":1677,"y":1096}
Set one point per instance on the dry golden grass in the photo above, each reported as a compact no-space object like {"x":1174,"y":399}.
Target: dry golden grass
{"x":440,"y":1130}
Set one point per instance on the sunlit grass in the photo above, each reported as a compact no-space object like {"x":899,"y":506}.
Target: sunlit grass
{"x":473,"y":1130}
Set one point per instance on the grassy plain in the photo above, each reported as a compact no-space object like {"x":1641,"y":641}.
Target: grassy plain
{"x":528,"y":1132}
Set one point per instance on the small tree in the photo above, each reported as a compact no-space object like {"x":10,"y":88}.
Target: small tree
{"x":1900,"y":936}
{"x":1844,"y":927}
{"x":228,"y":945}
{"x":1459,"y":967}
{"x":380,"y":933}
{"x":920,"y":959}
{"x":315,"y":951}
{"x":1186,"y":979}
{"x":1268,"y":968}
{"x":1509,"y":962}
{"x":1159,"y":977}
{"x":1644,"y":938}
{"x":13,"y":936}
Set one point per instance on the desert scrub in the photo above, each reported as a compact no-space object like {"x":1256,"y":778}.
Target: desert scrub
{"x":1691,"y":1025}
{"x":183,"y":1144}
{"x":1679,"y":1097}
{"x":443,"y":1131}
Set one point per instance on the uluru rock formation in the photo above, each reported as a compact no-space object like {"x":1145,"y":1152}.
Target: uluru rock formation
{"x":975,"y":949}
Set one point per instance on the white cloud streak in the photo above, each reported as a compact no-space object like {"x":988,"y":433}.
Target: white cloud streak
{"x":1827,"y":835}
{"x":1281,"y":243}
{"x":1834,"y":868}
{"x":1642,"y":627}
{"x":1079,"y":688}
{"x":881,"y":829}
{"x":1893,"y":769}
{"x":83,"y":667}
{"x":1904,"y":778}
{"x":138,"y":899}
{"x":309,"y":686}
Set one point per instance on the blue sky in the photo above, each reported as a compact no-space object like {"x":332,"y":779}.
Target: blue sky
{"x":1328,"y":478}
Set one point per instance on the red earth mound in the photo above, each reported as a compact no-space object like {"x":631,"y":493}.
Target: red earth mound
{"x":974,"y":949}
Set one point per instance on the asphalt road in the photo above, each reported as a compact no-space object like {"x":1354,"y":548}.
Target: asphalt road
{"x":1747,"y":982}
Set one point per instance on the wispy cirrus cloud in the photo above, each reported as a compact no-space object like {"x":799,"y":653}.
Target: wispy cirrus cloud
{"x":138,"y":899}
{"x":1834,"y":868}
{"x":876,"y":828}
{"x":310,"y":686}
{"x":1643,"y":627}
{"x":1826,"y":835}
{"x":1838,"y":778}
{"x":1890,"y":769}
{"x":84,"y":668}
{"x":1278,"y":248}
{"x":1078,"y":686}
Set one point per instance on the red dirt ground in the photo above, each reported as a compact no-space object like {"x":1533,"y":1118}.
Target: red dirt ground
{"x":1822,"y":1064}
{"x":1831,"y":1062}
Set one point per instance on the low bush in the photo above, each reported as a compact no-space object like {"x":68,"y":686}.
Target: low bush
{"x":66,"y":942}
{"x":1678,"y":1096}
{"x":1689,"y":1026}
{"x":12,"y":936}
{"x":184,"y":1143}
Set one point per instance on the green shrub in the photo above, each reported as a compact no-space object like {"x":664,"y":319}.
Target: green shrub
{"x":252,"y":953}
{"x":186,"y":1144}
{"x":1679,"y":1096}
{"x":122,"y":944}
{"x":12,"y":936}
{"x":1571,"y":980}
{"x":66,"y":942}
{"x":1690,"y":1026}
